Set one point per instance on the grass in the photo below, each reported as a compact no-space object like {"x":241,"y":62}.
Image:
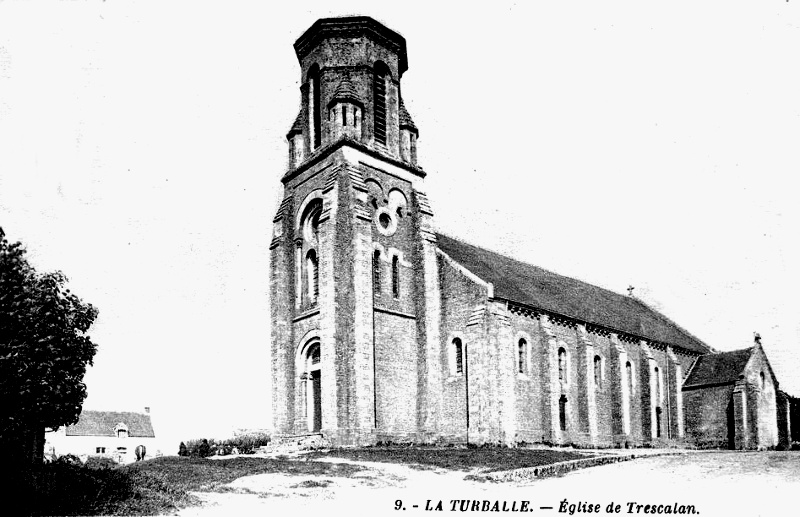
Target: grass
{"x":148,"y":487}
{"x":62,"y":489}
{"x":489,"y":459}
{"x":163,"y":484}
{"x":199,"y":474}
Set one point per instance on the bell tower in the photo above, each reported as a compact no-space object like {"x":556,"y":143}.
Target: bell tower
{"x":353,"y":275}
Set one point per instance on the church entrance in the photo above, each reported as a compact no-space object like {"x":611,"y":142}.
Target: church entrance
{"x":313,"y":389}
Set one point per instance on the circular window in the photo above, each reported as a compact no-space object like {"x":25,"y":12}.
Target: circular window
{"x":385,"y":222}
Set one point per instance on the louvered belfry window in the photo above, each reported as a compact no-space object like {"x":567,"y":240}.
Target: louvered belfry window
{"x":458,"y":351}
{"x":312,"y":274}
{"x":379,"y":88}
{"x":376,"y":272}
{"x":395,"y":277}
{"x":317,"y":119}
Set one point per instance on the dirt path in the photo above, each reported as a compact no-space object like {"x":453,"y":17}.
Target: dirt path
{"x":380,"y":484}
{"x":714,"y":484}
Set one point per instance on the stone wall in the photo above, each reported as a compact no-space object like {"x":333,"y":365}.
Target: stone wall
{"x":709,"y":414}
{"x":395,"y":377}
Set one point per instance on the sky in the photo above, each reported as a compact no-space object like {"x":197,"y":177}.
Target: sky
{"x":640,"y":144}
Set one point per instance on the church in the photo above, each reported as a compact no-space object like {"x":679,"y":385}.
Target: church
{"x":385,"y":331}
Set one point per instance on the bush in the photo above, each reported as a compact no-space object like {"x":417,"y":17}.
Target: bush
{"x":100,"y":462}
{"x":62,"y":488}
{"x":68,"y":459}
{"x":242,"y":444}
{"x":248,"y":443}
{"x":201,"y":448}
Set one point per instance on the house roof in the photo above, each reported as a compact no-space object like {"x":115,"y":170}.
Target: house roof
{"x":535,"y":287}
{"x":103,"y":423}
{"x":719,"y":368}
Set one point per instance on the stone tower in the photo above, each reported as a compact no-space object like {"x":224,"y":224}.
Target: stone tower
{"x":353,"y":276}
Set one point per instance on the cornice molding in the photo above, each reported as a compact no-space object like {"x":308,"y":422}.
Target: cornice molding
{"x":323,"y":152}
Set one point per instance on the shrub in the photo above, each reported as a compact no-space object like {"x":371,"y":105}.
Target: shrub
{"x":100,"y":462}
{"x":241,"y":444}
{"x":62,"y":488}
{"x":68,"y":459}
{"x":248,"y":443}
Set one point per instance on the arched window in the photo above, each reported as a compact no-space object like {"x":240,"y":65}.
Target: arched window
{"x":395,"y":277}
{"x":312,"y":274}
{"x":658,"y":422}
{"x":313,"y":357}
{"x":314,"y":108}
{"x":629,"y":376}
{"x":658,"y":386}
{"x":522,"y":355}
{"x":763,"y":380}
{"x":562,"y":412}
{"x":458,"y":356}
{"x":376,"y":272}
{"x":379,"y":102}
{"x":598,"y":371}
{"x":311,"y":222}
{"x":562,"y":365}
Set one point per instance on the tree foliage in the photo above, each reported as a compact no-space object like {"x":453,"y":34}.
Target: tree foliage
{"x":44,"y":348}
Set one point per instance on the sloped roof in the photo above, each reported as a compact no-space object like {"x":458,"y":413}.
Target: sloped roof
{"x":533,"y":286}
{"x":405,"y":118}
{"x":346,"y":92}
{"x":102,"y":423}
{"x":719,"y":368}
{"x":297,"y":127}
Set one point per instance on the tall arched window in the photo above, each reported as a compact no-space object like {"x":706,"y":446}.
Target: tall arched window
{"x":598,"y":371}
{"x":376,"y":272}
{"x":763,"y":380}
{"x":395,"y":277}
{"x":658,"y":386}
{"x":658,"y":422}
{"x":629,"y":376}
{"x":379,"y":101}
{"x":458,"y":356}
{"x":562,"y":365}
{"x":522,"y":355}
{"x":312,"y":274}
{"x":314,"y":108}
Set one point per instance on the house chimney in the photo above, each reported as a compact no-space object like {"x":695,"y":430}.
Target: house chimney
{"x":147,"y":409}
{"x":757,"y":338}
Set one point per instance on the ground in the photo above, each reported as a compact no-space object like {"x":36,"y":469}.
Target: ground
{"x":714,"y":483}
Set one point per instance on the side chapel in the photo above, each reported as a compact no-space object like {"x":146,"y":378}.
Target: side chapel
{"x":384,"y":330}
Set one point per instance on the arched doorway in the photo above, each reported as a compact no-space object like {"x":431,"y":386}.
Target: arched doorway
{"x":313,"y":386}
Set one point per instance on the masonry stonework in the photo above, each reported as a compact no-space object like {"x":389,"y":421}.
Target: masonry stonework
{"x":384,"y":330}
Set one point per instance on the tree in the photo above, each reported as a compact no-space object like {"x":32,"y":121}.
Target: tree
{"x":44,"y":350}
